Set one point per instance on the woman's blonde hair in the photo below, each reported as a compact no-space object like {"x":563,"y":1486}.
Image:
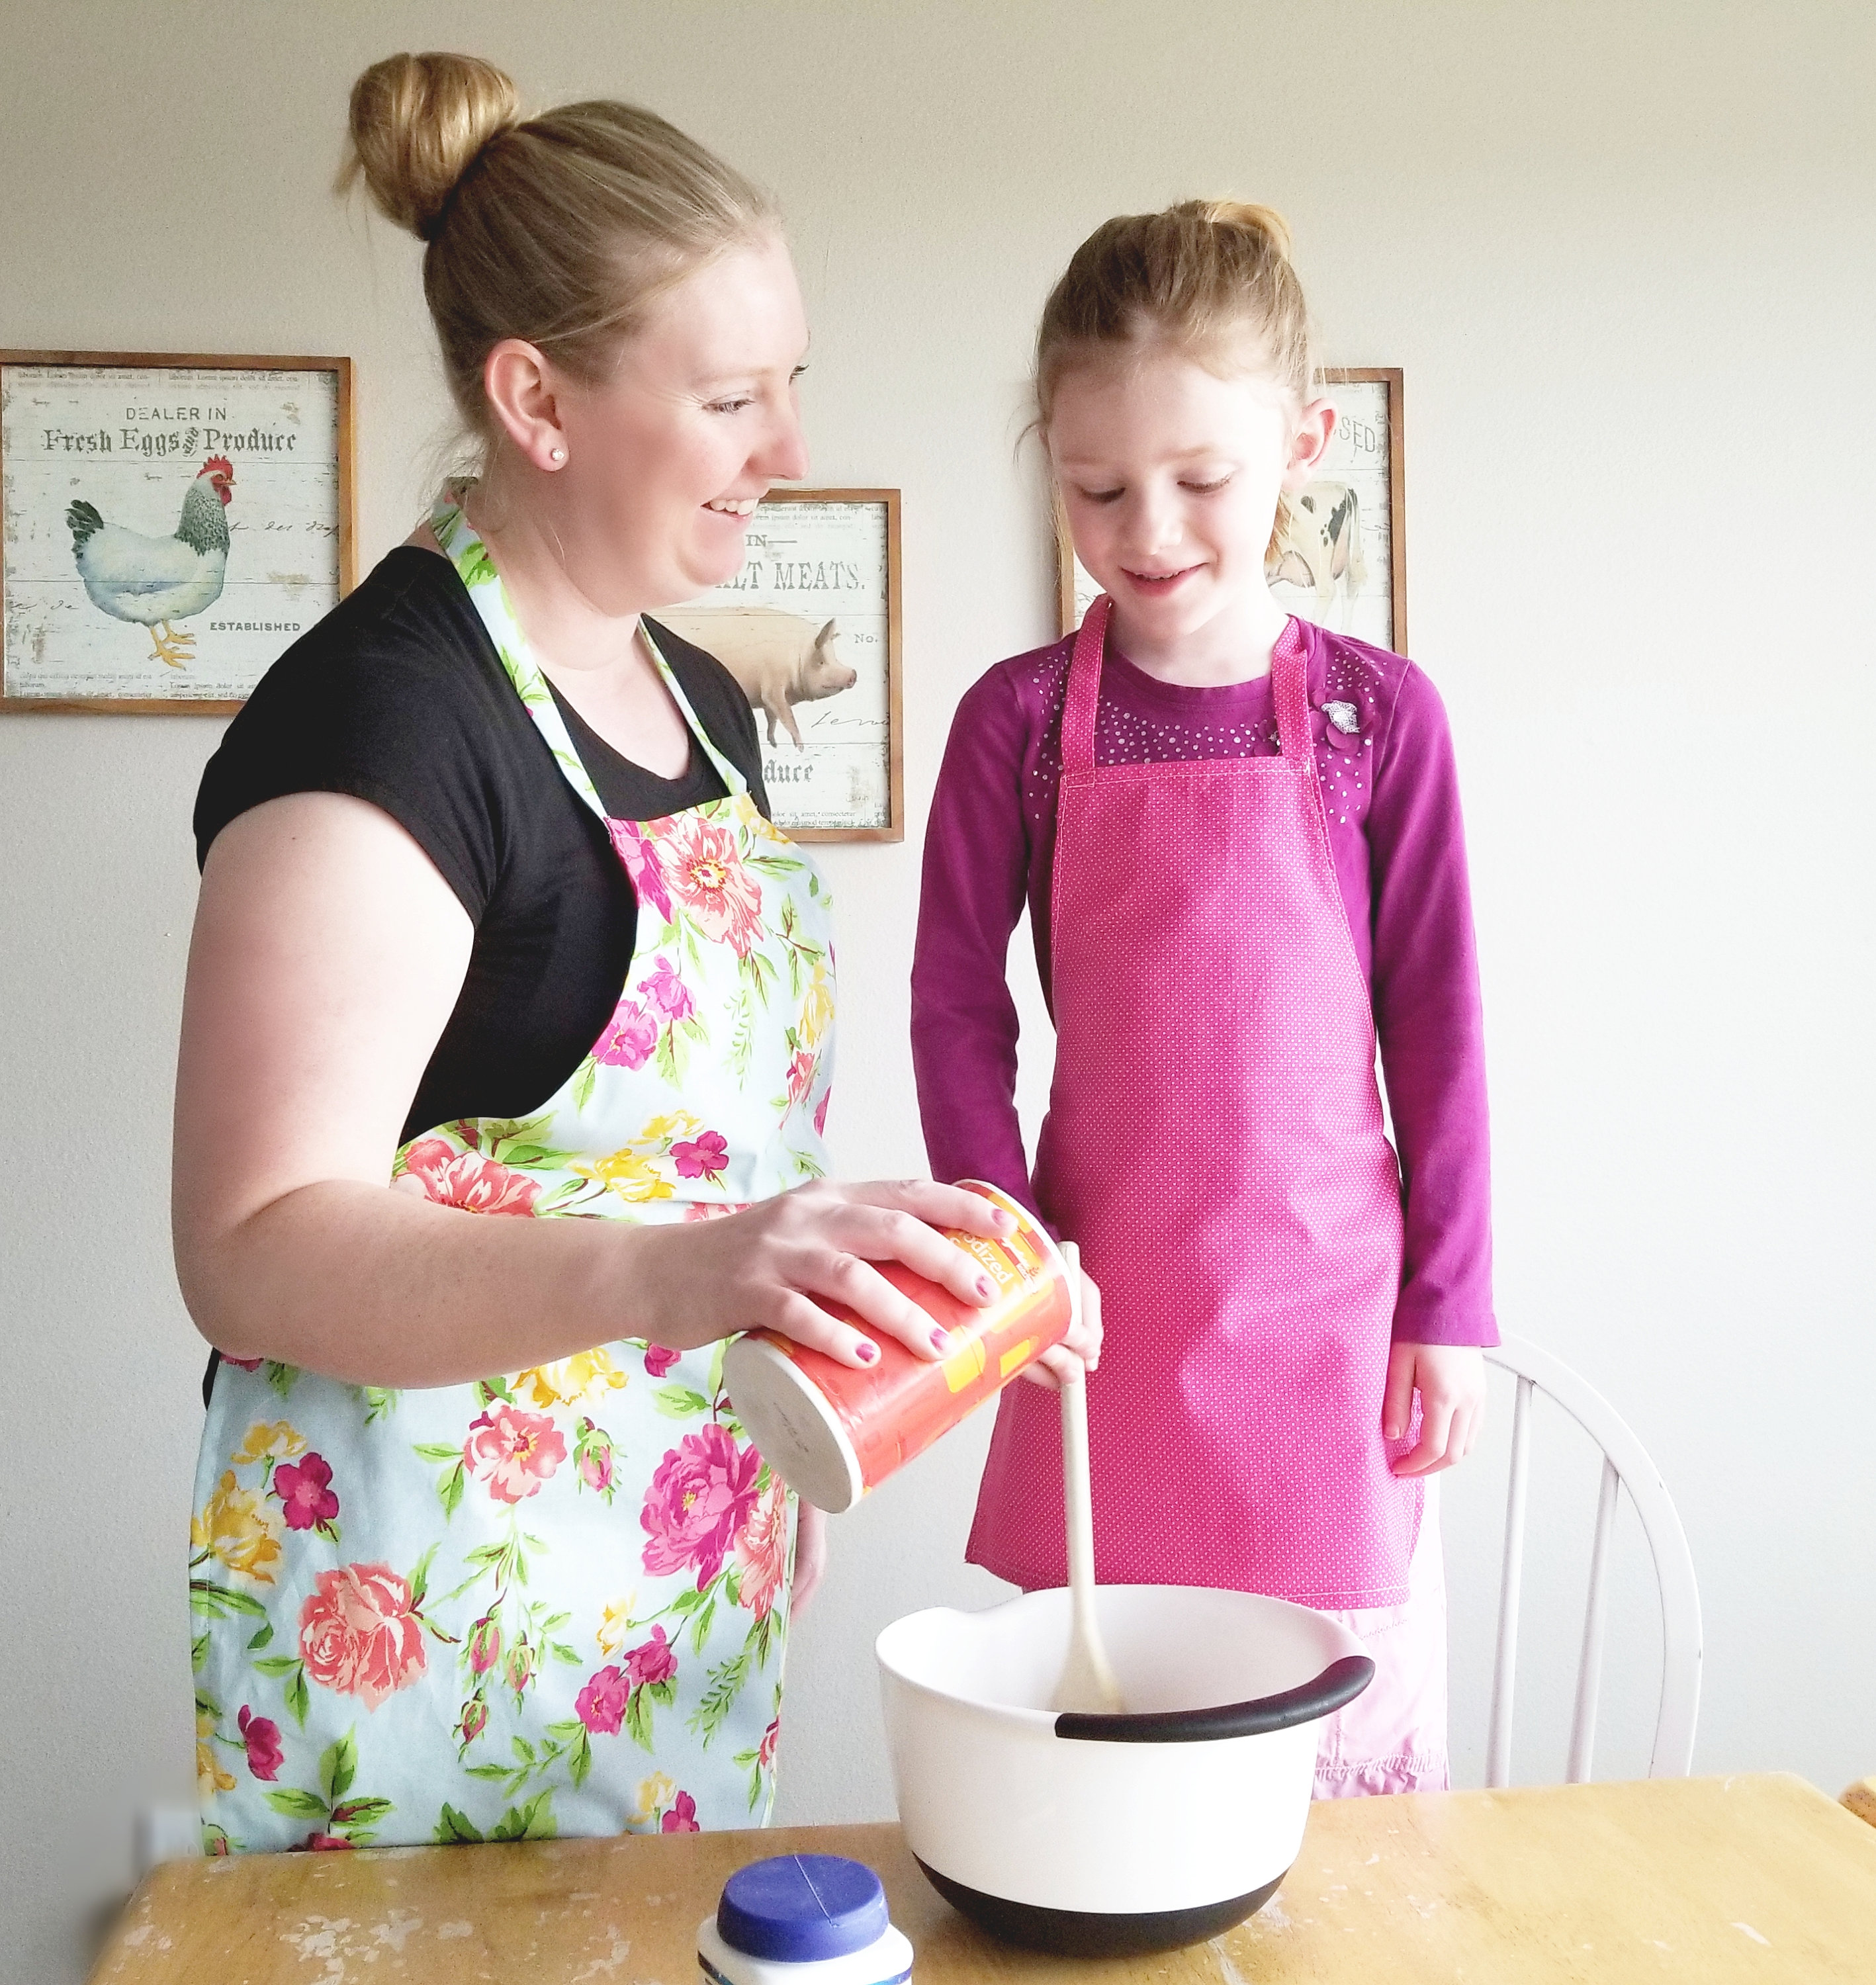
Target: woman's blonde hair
{"x":558,"y":229}
{"x":1212,"y":277}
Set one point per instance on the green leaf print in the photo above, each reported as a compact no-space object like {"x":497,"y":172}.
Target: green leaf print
{"x":638,"y":1718}
{"x":531,"y":1822}
{"x":338,"y":1767}
{"x":488,"y":1390}
{"x":198,"y":1652}
{"x":359,"y":1812}
{"x":276,"y":1665}
{"x":742,"y":1034}
{"x":701,"y":1624}
{"x":380,"y":1403}
{"x":478,"y":569}
{"x":261,"y":1639}
{"x":580,"y":1759}
{"x":218,"y":1601}
{"x":296,"y":1805}
{"x":455,"y":1829}
{"x":281,"y":1377}
{"x":420,"y":1579}
{"x":726,"y":1683}
{"x":679,"y":1403}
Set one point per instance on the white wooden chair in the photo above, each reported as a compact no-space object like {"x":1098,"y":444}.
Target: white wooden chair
{"x":1625,"y":1465}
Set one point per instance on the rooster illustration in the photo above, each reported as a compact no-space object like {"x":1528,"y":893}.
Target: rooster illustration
{"x":154,"y":581}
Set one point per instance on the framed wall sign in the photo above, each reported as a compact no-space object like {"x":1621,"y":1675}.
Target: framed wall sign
{"x":1339,"y":557}
{"x":810,"y":628}
{"x":169,"y":523}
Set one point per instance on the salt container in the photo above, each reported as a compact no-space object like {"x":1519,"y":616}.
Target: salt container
{"x":803,"y":1920}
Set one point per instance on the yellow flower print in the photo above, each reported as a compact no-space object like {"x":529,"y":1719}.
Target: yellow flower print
{"x":210,"y":1778}
{"x":654,"y":1794}
{"x":628,"y":1174}
{"x":615,"y":1627}
{"x":277,"y":1442}
{"x":817,"y":1007}
{"x":579,"y":1381}
{"x":238,"y":1528}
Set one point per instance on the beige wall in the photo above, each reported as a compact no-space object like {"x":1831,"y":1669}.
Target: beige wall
{"x":1624,"y":253}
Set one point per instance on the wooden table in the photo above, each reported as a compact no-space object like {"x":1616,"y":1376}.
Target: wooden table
{"x":1708,"y":1879}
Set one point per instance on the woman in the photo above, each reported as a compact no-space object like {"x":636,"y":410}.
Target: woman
{"x":491,"y":923}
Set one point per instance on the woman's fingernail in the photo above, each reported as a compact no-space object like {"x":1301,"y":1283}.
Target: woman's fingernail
{"x":866,"y":1353}
{"x":986,"y":1287}
{"x":941,"y":1340}
{"x":1006,"y":1222}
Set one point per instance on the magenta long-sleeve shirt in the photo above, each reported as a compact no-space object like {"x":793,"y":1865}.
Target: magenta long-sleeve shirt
{"x":1384,"y":757}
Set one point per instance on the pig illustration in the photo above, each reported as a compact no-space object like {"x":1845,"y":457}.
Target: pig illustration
{"x":779,"y":659}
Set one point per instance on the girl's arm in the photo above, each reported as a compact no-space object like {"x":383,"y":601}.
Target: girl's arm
{"x":1428,"y":1019}
{"x":327,"y":955}
{"x":976,"y":874}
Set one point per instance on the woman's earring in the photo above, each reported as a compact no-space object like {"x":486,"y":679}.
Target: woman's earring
{"x":556,"y":456}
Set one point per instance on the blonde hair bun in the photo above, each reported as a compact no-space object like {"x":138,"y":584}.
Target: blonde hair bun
{"x":1248,"y":218}
{"x":417,"y":123}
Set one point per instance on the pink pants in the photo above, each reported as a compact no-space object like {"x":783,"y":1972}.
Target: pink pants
{"x":1392,"y":1737}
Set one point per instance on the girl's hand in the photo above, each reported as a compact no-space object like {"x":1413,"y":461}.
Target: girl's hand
{"x":1451,"y":1380}
{"x":810,"y":1554}
{"x":772,"y":1266}
{"x":1079,"y":1352}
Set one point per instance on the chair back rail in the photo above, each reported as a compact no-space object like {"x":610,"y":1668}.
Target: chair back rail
{"x":1625,"y":1464}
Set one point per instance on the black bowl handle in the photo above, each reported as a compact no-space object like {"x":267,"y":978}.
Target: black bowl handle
{"x":1340,"y":1682}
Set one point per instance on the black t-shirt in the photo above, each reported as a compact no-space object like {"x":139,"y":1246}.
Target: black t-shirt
{"x":398,"y":696}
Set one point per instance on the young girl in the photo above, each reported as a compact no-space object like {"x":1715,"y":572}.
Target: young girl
{"x":1239,"y":839}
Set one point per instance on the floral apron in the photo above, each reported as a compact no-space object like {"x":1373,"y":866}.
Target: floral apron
{"x":555,"y":1601}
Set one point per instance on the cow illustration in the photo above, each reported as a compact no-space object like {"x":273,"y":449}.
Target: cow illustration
{"x":779,"y":659}
{"x":1318,"y":544}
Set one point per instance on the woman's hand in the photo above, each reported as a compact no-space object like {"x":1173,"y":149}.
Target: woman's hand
{"x":810,"y":1555}
{"x":1070,"y":1361}
{"x":774,"y":1266}
{"x":1450,"y":1381}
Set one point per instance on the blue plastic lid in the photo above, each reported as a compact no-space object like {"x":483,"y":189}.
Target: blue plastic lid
{"x":798,"y":1908}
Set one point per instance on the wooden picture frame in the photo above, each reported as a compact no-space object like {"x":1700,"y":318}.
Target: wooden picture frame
{"x":818,"y":598}
{"x":1367,"y":458}
{"x":120,"y":440}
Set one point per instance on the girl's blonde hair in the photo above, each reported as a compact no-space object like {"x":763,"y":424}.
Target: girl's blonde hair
{"x":559,"y":229}
{"x":1212,"y":277}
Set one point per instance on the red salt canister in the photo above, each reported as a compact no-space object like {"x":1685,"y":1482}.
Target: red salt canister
{"x":831,"y":1432}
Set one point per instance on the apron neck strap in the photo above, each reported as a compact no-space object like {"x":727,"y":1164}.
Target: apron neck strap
{"x":1084,"y":697}
{"x":1289,"y":691}
{"x":463,"y":547}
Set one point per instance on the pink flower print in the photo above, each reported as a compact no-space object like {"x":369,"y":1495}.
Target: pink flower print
{"x":485,"y":1644}
{"x":656,"y":1661}
{"x":475,"y":1719}
{"x":666,"y":995}
{"x":659,"y":1359}
{"x":262,"y":1737}
{"x":710,"y":1209}
{"x":820,"y":1111}
{"x":601,"y":1704}
{"x":765,"y":1751}
{"x":642,"y":864}
{"x":512,"y":1452}
{"x":703,"y":1155}
{"x":682,"y":1818}
{"x":700,"y":1498}
{"x":359,"y":1633}
{"x":707,"y":877}
{"x":244,"y":1365}
{"x":520,"y":1669}
{"x":325,"y":1843}
{"x":467,"y":1180}
{"x":630,"y":1038}
{"x":592,"y":1452}
{"x":800,"y":1075}
{"x":762,"y":1551}
{"x":305,"y":1492}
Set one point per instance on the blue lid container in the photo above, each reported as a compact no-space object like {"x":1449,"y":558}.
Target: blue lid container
{"x":802,"y":1909}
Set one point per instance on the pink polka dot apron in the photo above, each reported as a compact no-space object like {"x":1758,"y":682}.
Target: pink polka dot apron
{"x":1214,"y":1144}
{"x":555,"y":1601}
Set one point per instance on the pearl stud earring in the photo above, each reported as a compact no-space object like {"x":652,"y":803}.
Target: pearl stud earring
{"x":556,"y":456}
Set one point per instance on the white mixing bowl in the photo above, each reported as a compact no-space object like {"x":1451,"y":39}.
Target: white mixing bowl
{"x":1100,"y":1834}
